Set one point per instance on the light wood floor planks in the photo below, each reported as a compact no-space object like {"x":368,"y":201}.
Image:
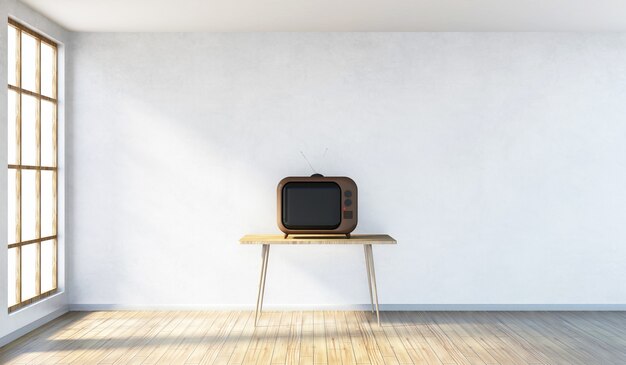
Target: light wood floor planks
{"x":325,"y":338}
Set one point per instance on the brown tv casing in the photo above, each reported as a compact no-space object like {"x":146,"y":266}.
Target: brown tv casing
{"x":346,"y":184}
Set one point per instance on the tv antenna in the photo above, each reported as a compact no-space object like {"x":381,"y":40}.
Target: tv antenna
{"x":307,"y":161}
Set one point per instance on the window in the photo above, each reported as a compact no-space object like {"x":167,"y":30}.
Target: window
{"x":32,"y":155}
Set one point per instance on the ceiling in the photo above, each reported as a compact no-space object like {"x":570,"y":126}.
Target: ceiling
{"x":334,"y":15}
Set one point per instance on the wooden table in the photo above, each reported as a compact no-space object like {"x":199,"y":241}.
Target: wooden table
{"x":367,"y":240}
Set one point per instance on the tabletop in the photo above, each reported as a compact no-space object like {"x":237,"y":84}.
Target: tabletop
{"x":312,"y":239}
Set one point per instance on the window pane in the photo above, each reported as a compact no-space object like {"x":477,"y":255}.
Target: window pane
{"x":11,"y":276}
{"x":47,"y":70}
{"x":31,"y":141}
{"x":47,"y":203}
{"x":29,"y":205}
{"x":29,"y":270}
{"x":47,"y":134}
{"x":29,"y":62}
{"x":12,"y":107}
{"x":12,"y":56}
{"x":47,"y":265}
{"x":29,"y":135}
{"x":12,"y":206}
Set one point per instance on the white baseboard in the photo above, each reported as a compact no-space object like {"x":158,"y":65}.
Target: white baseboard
{"x":33,"y":326}
{"x":383,"y":307}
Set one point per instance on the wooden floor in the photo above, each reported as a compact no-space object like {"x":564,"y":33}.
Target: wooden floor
{"x":325,"y":338}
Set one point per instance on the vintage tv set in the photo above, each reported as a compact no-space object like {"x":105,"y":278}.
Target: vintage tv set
{"x":317,"y":205}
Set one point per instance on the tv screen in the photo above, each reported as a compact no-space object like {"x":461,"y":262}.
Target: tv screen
{"x":311,"y":205}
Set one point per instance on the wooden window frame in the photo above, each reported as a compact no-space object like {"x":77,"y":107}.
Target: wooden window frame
{"x":18,"y":167}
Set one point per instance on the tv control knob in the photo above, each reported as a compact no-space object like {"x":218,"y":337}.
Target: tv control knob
{"x":347,"y":193}
{"x":347,"y":202}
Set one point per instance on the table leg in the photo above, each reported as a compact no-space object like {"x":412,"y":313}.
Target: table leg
{"x":259,"y":298}
{"x":371,"y":257}
{"x":267,"y":260}
{"x":369,"y":275}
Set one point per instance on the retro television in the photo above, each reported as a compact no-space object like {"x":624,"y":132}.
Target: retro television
{"x":317,"y":205}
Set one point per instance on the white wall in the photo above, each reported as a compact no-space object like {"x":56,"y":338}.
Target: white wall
{"x":498,"y":161}
{"x":16,"y":323}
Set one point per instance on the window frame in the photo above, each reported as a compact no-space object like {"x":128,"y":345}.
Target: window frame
{"x":18,"y":167}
